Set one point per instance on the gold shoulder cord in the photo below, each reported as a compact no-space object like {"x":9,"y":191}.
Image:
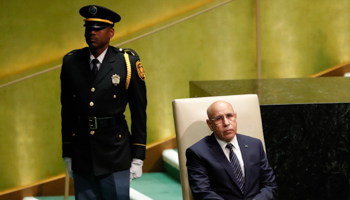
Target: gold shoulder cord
{"x":128,"y":70}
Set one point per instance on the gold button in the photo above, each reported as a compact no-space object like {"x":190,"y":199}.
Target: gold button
{"x":73,"y":134}
{"x":120,"y":136}
{"x":91,"y":103}
{"x":114,"y":96}
{"x":92,"y":89}
{"x":92,"y":132}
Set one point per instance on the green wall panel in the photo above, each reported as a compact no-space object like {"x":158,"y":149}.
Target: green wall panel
{"x":30,"y":140}
{"x":300,"y":38}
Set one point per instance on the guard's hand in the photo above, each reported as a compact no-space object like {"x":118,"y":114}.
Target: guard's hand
{"x":68,"y":162}
{"x":136,"y":169}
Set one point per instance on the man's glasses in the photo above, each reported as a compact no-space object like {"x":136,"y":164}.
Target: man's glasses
{"x":220,"y":119}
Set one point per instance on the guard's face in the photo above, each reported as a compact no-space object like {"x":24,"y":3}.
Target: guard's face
{"x":222,"y":121}
{"x":98,"y":38}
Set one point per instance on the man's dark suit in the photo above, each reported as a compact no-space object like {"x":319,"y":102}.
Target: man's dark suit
{"x":107,"y":149}
{"x":211,"y":175}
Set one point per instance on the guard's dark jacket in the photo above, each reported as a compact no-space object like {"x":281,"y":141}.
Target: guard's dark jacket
{"x":108,"y":149}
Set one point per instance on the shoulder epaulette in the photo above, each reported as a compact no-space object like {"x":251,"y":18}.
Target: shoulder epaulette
{"x":128,"y":52}
{"x":70,"y":53}
{"x":73,"y":52}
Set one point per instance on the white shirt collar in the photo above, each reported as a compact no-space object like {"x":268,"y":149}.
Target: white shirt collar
{"x":100,"y":57}
{"x":223,"y":143}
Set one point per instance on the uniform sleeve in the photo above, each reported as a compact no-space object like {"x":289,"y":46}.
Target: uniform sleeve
{"x":137,"y":103}
{"x":68,"y":115}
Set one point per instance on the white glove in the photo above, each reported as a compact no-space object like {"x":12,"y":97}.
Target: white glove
{"x":136,"y":169}
{"x":68,"y":162}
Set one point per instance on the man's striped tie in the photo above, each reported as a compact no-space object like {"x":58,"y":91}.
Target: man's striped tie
{"x":236,"y":167}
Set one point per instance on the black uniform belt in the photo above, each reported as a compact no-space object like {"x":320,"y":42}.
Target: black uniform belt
{"x":103,"y":122}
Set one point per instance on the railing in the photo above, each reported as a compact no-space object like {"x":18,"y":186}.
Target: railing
{"x":338,"y":70}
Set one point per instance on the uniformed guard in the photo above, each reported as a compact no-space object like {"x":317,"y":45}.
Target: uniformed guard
{"x":97,"y":82}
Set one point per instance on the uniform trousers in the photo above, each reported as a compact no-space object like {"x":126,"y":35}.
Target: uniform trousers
{"x":114,"y":186}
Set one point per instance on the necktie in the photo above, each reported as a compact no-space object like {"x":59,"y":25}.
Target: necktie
{"x":94,"y":68}
{"x":236,"y":167}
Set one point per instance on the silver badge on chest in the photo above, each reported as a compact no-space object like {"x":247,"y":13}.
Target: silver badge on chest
{"x":115,"y":79}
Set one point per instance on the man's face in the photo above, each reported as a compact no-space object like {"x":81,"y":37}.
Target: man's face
{"x":222,"y":120}
{"x":98,"y":38}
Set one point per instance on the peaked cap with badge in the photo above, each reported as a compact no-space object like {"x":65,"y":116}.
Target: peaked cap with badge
{"x":98,"y":16}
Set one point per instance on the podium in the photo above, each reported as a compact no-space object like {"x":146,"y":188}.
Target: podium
{"x":306,"y":124}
